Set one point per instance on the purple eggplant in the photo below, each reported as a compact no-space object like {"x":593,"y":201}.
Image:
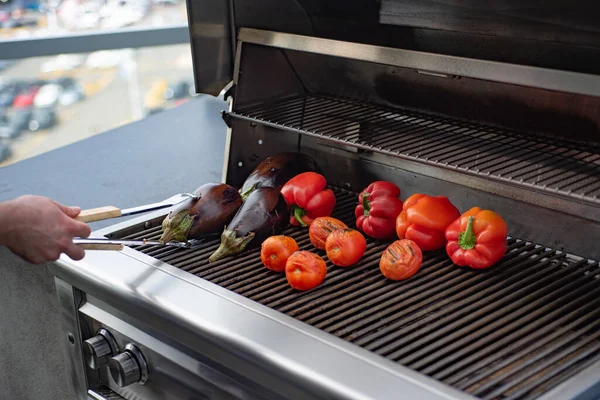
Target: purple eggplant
{"x":277,"y":170}
{"x":263,"y":214}
{"x":196,"y":218}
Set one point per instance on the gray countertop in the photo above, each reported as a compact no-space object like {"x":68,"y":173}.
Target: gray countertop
{"x":143,"y":162}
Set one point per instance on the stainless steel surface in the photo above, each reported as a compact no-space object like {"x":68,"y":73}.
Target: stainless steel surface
{"x":170,"y":202}
{"x":550,"y":168}
{"x":141,"y":242}
{"x":129,"y":367}
{"x":435,"y":322}
{"x":69,"y":300}
{"x":99,"y":349}
{"x":259,"y":343}
{"x":565,"y":81}
{"x":176,"y":372}
{"x":103,"y":394}
{"x":212,"y":44}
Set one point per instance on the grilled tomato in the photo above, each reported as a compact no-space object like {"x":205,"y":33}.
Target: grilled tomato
{"x":401,"y":260}
{"x":276,"y":250}
{"x":305,"y":270}
{"x":345,"y":247}
{"x":321,"y":227}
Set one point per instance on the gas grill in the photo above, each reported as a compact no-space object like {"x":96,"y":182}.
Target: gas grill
{"x":469,"y":103}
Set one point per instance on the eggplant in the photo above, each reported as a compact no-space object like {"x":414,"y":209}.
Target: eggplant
{"x":263,"y":214}
{"x":277,"y":170}
{"x":196,"y":218}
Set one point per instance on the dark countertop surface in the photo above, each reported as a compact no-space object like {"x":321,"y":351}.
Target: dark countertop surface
{"x":140,"y":163}
{"x":143,"y":162}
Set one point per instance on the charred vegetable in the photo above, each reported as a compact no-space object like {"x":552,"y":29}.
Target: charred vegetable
{"x":192,"y":219}
{"x":263,"y":214}
{"x":276,"y":171}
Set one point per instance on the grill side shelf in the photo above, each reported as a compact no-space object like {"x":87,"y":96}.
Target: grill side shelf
{"x":515,"y":330}
{"x":560,"y":175}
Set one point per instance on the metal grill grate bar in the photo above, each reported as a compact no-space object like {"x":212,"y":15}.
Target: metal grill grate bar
{"x":511,"y":331}
{"x":553,"y":166}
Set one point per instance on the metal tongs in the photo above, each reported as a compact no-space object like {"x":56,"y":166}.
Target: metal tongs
{"x":108,"y":212}
{"x":117,"y":244}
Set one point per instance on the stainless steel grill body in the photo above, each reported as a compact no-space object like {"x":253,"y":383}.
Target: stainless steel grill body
{"x":481,"y":131}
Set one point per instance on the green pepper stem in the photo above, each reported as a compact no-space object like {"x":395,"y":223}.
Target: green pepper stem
{"x":298,"y":214}
{"x":366,"y":203}
{"x":466,"y":239}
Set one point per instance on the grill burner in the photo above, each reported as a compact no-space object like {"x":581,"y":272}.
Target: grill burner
{"x":511,"y":331}
{"x":553,"y":166}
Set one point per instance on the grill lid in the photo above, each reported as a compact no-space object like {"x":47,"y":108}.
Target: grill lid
{"x":557,"y":34}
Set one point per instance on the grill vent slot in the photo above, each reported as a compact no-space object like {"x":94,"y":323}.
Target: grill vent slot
{"x":511,"y":331}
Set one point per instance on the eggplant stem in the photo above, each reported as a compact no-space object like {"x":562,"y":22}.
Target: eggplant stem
{"x":248,"y":192}
{"x":230,"y":245}
{"x":176,"y":228}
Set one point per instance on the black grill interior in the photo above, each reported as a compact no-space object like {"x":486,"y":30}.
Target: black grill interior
{"x":557,"y":167}
{"x":512,"y":331}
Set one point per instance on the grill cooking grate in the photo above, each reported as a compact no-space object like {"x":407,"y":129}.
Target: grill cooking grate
{"x":554,"y":166}
{"x":512,"y":331}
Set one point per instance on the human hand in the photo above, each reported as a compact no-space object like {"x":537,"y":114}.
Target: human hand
{"x":39,"y":229}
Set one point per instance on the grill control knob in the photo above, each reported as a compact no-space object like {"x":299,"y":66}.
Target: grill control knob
{"x":99,"y":349}
{"x":129,"y":367}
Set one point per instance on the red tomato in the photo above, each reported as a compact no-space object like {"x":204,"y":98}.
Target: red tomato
{"x":345,"y":247}
{"x":305,"y":270}
{"x":321,"y":227}
{"x":401,"y":260}
{"x":276,"y":250}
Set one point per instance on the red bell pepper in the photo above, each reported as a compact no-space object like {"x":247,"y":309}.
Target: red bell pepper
{"x":308,"y":198}
{"x":477,"y":239}
{"x":425,"y":219}
{"x":377,"y":210}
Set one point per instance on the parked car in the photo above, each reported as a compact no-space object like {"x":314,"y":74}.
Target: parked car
{"x":5,"y":152}
{"x":179,"y":90}
{"x":42,"y":118}
{"x":26,"y":96}
{"x":64,"y":91}
{"x":72,"y":91}
{"x":8,"y":93}
{"x":11,"y":125}
{"x":63,"y":62}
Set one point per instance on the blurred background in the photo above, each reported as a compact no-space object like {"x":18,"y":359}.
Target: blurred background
{"x":50,"y":97}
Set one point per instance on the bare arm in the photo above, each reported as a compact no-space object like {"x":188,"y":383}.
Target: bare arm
{"x":39,"y":229}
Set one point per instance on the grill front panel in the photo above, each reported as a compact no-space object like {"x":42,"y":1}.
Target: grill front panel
{"x":511,"y":331}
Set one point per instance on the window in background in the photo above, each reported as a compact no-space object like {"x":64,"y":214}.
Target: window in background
{"x":49,"y":102}
{"x":30,"y":18}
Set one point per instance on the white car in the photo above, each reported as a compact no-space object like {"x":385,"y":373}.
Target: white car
{"x":48,"y":95}
{"x":105,"y":59}
{"x":63,"y":62}
{"x":64,"y":91}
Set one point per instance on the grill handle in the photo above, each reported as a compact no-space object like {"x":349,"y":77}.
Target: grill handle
{"x":100,"y":246}
{"x":98,"y":214}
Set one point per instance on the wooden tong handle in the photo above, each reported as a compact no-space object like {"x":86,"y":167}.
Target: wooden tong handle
{"x":98,"y":214}
{"x":101,"y":246}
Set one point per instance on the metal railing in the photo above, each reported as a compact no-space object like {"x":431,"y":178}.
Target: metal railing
{"x":16,"y":48}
